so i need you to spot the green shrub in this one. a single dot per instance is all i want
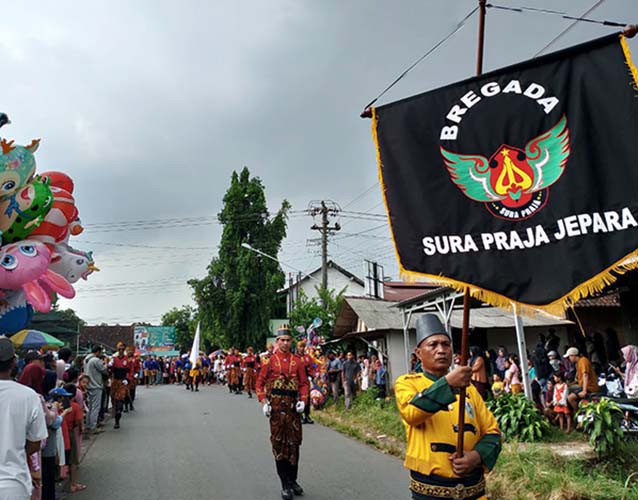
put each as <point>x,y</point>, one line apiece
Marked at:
<point>518,417</point>
<point>601,422</point>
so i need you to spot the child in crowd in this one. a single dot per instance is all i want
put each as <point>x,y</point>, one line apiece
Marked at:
<point>560,401</point>
<point>497,386</point>
<point>71,428</point>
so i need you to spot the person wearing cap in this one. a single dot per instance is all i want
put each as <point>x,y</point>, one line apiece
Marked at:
<point>554,362</point>
<point>585,376</point>
<point>282,388</point>
<point>428,404</point>
<point>119,370</point>
<point>23,427</point>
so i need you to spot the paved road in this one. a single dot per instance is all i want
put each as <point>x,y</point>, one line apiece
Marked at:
<point>214,445</point>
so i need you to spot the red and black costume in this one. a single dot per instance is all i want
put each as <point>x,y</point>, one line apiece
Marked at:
<point>282,381</point>
<point>134,366</point>
<point>119,371</point>
<point>233,369</point>
<point>250,364</point>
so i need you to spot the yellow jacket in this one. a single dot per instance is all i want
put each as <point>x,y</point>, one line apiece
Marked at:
<point>429,410</point>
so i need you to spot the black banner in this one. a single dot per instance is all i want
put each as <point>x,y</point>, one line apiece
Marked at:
<point>522,183</point>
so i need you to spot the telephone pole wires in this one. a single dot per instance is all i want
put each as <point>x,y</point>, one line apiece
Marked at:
<point>325,208</point>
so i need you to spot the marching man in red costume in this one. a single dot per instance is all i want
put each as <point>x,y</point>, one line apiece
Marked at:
<point>119,368</point>
<point>282,388</point>
<point>233,369</point>
<point>249,366</point>
<point>134,367</point>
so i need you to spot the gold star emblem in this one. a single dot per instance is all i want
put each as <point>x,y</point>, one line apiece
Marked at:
<point>505,152</point>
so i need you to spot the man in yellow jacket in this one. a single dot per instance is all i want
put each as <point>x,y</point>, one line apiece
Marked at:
<point>428,403</point>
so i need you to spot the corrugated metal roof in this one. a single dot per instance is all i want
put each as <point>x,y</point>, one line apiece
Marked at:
<point>381,315</point>
<point>493,317</point>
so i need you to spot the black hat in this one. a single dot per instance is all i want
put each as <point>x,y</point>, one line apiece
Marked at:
<point>283,330</point>
<point>428,325</point>
<point>33,355</point>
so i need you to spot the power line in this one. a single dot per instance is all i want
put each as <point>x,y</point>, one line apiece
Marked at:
<point>366,109</point>
<point>564,15</point>
<point>566,30</point>
<point>357,198</point>
<point>137,245</point>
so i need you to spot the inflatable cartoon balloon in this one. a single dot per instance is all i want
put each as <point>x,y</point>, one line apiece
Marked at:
<point>17,166</point>
<point>15,312</point>
<point>24,265</point>
<point>23,211</point>
<point>56,226</point>
<point>72,264</point>
<point>59,180</point>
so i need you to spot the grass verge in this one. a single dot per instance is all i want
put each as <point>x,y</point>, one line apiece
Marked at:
<point>529,471</point>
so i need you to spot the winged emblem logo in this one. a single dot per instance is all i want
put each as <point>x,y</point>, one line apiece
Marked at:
<point>513,183</point>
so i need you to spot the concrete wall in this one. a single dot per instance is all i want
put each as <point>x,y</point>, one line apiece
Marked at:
<point>507,337</point>
<point>396,352</point>
<point>336,281</point>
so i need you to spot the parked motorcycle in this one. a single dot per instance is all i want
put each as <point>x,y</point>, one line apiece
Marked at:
<point>613,390</point>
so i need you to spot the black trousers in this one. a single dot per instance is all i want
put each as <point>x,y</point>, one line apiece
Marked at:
<point>118,404</point>
<point>287,472</point>
<point>48,478</point>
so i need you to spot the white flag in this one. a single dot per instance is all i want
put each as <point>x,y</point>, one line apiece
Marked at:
<point>195,349</point>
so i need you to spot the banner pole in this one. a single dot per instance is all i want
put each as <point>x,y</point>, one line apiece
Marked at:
<point>466,295</point>
<point>464,335</point>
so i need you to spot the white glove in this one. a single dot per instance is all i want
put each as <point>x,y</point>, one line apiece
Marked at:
<point>300,406</point>
<point>125,382</point>
<point>266,409</point>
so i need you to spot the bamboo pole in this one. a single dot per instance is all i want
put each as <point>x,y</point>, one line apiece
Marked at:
<point>466,296</point>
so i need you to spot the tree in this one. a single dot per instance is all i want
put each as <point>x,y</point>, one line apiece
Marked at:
<point>305,310</point>
<point>238,295</point>
<point>185,322</point>
<point>70,319</point>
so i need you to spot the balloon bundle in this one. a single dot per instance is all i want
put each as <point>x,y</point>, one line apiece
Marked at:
<point>37,217</point>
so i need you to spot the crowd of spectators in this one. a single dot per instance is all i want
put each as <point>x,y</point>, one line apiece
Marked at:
<point>558,383</point>
<point>51,402</point>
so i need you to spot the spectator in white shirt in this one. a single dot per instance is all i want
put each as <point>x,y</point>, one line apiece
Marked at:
<point>23,427</point>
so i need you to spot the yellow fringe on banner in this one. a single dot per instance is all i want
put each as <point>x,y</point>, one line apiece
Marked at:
<point>586,289</point>
<point>375,137</point>
<point>591,287</point>
<point>628,61</point>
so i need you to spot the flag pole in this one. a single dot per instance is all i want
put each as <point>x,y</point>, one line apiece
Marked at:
<point>466,295</point>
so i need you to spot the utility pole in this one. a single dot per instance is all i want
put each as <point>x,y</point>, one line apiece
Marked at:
<point>326,208</point>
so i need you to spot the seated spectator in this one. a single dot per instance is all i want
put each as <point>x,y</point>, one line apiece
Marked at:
<point>548,402</point>
<point>553,360</point>
<point>585,377</point>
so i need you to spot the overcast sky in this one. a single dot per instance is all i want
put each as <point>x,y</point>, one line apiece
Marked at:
<point>150,105</point>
